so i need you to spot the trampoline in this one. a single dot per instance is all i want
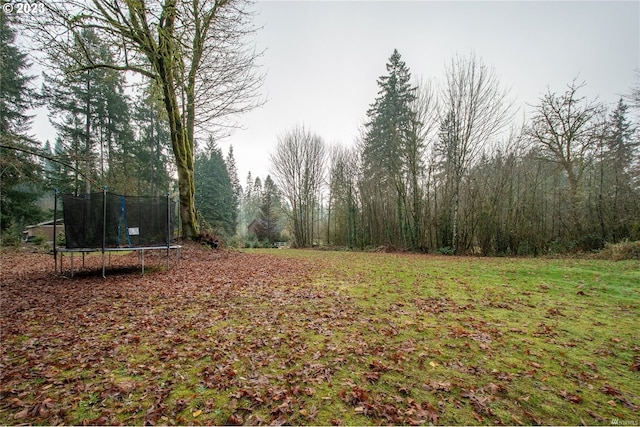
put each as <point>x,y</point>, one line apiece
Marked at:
<point>106,222</point>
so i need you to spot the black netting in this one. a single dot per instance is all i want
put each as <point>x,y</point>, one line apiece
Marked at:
<point>126,221</point>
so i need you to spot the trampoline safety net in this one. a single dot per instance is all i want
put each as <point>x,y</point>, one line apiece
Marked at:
<point>127,221</point>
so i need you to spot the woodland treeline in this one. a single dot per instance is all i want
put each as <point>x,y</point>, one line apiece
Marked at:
<point>439,166</point>
<point>444,167</point>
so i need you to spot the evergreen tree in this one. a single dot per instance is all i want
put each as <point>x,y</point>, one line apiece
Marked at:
<point>392,155</point>
<point>19,166</point>
<point>119,152</point>
<point>152,145</point>
<point>269,215</point>
<point>91,114</point>
<point>214,194</point>
<point>235,185</point>
<point>618,197</point>
<point>58,174</point>
<point>257,188</point>
<point>250,201</point>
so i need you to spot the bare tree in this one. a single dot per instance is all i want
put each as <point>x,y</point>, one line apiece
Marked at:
<point>567,128</point>
<point>425,106</point>
<point>195,50</point>
<point>298,165</point>
<point>633,97</point>
<point>474,109</point>
<point>342,205</point>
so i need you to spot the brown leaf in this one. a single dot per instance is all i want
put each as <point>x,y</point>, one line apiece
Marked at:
<point>100,421</point>
<point>596,416</point>
<point>280,421</point>
<point>569,397</point>
<point>610,390</point>
<point>234,420</point>
<point>494,388</point>
<point>378,366</point>
<point>126,386</point>
<point>22,414</point>
<point>372,377</point>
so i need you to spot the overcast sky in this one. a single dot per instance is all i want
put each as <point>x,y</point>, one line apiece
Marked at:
<point>322,59</point>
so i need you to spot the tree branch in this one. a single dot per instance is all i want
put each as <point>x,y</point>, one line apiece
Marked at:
<point>47,157</point>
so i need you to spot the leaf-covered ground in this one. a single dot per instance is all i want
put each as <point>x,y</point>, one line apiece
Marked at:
<point>307,337</point>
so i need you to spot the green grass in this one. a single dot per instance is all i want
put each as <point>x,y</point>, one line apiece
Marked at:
<point>344,338</point>
<point>539,340</point>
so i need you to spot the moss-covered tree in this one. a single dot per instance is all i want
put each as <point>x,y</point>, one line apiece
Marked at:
<point>195,50</point>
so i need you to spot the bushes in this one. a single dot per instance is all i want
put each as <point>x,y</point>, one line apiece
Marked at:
<point>621,251</point>
<point>11,237</point>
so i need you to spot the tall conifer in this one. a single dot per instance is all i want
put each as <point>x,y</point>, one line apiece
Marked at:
<point>18,165</point>
<point>390,147</point>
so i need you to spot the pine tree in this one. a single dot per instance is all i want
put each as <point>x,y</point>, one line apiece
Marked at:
<point>91,114</point>
<point>152,145</point>
<point>235,185</point>
<point>251,201</point>
<point>620,152</point>
<point>19,167</point>
<point>119,152</point>
<point>392,156</point>
<point>214,195</point>
<point>58,174</point>
<point>269,215</point>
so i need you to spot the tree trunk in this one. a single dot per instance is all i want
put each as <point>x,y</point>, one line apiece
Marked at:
<point>181,140</point>
<point>87,136</point>
<point>574,199</point>
<point>183,153</point>
<point>456,205</point>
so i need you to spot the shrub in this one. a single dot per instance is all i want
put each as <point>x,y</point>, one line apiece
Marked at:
<point>621,251</point>
<point>251,241</point>
<point>38,240</point>
<point>446,250</point>
<point>11,237</point>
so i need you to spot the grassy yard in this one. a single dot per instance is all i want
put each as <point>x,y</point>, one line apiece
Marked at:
<point>310,337</point>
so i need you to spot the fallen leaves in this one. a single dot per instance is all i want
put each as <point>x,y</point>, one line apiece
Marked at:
<point>116,350</point>
<point>391,408</point>
<point>619,397</point>
<point>570,397</point>
<point>259,339</point>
